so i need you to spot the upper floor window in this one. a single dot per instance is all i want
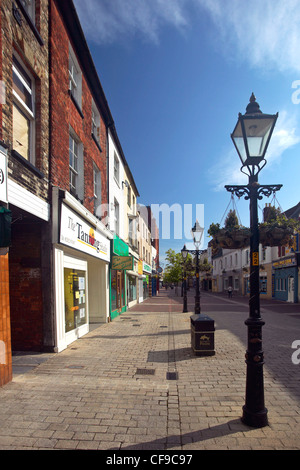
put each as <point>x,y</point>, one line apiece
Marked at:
<point>129,196</point>
<point>23,112</point>
<point>75,77</point>
<point>95,123</point>
<point>29,6</point>
<point>116,169</point>
<point>117,217</point>
<point>97,190</point>
<point>76,166</point>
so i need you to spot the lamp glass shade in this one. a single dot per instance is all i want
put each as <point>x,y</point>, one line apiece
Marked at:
<point>251,137</point>
<point>184,253</point>
<point>197,233</point>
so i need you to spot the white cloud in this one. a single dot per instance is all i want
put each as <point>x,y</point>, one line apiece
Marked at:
<point>265,33</point>
<point>106,21</point>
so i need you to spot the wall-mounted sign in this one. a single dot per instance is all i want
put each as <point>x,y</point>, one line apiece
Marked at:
<point>122,262</point>
<point>147,268</point>
<point>77,233</point>
<point>283,263</point>
<point>3,177</point>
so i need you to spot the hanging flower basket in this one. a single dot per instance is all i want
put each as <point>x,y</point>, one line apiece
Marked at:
<point>231,236</point>
<point>276,235</point>
<point>232,239</point>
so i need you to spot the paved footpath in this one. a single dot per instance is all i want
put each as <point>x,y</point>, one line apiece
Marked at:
<point>135,384</point>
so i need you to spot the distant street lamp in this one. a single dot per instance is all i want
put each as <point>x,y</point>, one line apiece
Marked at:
<point>184,253</point>
<point>251,138</point>
<point>202,327</point>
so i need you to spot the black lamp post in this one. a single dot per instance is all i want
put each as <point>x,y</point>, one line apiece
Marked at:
<point>197,233</point>
<point>184,253</point>
<point>251,138</point>
<point>202,327</point>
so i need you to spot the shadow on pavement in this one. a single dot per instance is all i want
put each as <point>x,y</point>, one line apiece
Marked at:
<point>168,442</point>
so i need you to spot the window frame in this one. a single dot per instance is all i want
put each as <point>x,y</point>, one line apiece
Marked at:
<point>27,80</point>
<point>75,79</point>
<point>116,169</point>
<point>76,190</point>
<point>30,7</point>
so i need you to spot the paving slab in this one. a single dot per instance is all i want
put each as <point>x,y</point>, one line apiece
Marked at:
<point>134,384</point>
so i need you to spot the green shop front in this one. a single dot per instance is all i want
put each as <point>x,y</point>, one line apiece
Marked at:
<point>121,261</point>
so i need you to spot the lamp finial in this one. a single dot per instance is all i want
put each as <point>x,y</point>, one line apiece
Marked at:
<point>253,106</point>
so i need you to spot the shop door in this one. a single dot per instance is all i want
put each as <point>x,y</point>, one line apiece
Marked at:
<point>291,289</point>
<point>119,290</point>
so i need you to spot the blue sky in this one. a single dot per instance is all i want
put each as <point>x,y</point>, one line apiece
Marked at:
<point>176,73</point>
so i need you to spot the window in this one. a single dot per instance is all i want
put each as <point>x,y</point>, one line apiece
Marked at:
<point>23,112</point>
<point>29,6</point>
<point>116,211</point>
<point>129,196</point>
<point>73,155</point>
<point>116,168</point>
<point>76,166</point>
<point>95,124</point>
<point>97,190</point>
<point>75,78</point>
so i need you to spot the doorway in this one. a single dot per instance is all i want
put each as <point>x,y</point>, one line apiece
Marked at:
<point>291,289</point>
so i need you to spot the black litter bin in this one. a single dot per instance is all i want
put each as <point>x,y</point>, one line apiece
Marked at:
<point>203,335</point>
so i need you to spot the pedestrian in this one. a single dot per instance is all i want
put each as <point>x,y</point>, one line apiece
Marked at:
<point>230,291</point>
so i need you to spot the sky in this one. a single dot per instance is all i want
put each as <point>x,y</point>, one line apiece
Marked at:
<point>176,74</point>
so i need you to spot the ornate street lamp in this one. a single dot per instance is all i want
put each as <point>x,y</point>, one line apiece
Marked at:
<point>251,138</point>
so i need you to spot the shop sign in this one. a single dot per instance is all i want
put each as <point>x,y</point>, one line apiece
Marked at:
<point>284,263</point>
<point>3,177</point>
<point>119,247</point>
<point>78,234</point>
<point>121,263</point>
<point>140,267</point>
<point>147,268</point>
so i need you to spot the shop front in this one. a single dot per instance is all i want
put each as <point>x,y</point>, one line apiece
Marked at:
<point>285,279</point>
<point>147,283</point>
<point>81,273</point>
<point>121,262</point>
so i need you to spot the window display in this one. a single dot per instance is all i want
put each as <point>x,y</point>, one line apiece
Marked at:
<point>75,298</point>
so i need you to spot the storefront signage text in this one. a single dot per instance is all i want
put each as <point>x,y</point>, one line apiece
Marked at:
<point>284,263</point>
<point>122,262</point>
<point>75,232</point>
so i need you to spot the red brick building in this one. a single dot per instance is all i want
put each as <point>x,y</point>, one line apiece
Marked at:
<point>79,122</point>
<point>24,164</point>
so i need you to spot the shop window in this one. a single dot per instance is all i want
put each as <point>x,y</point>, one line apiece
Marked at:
<point>75,298</point>
<point>131,288</point>
<point>23,112</point>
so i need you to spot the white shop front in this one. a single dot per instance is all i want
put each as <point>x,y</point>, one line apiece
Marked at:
<point>81,267</point>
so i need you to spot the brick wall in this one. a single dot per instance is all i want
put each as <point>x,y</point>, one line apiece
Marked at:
<point>64,113</point>
<point>26,300</point>
<point>28,40</point>
<point>21,39</point>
